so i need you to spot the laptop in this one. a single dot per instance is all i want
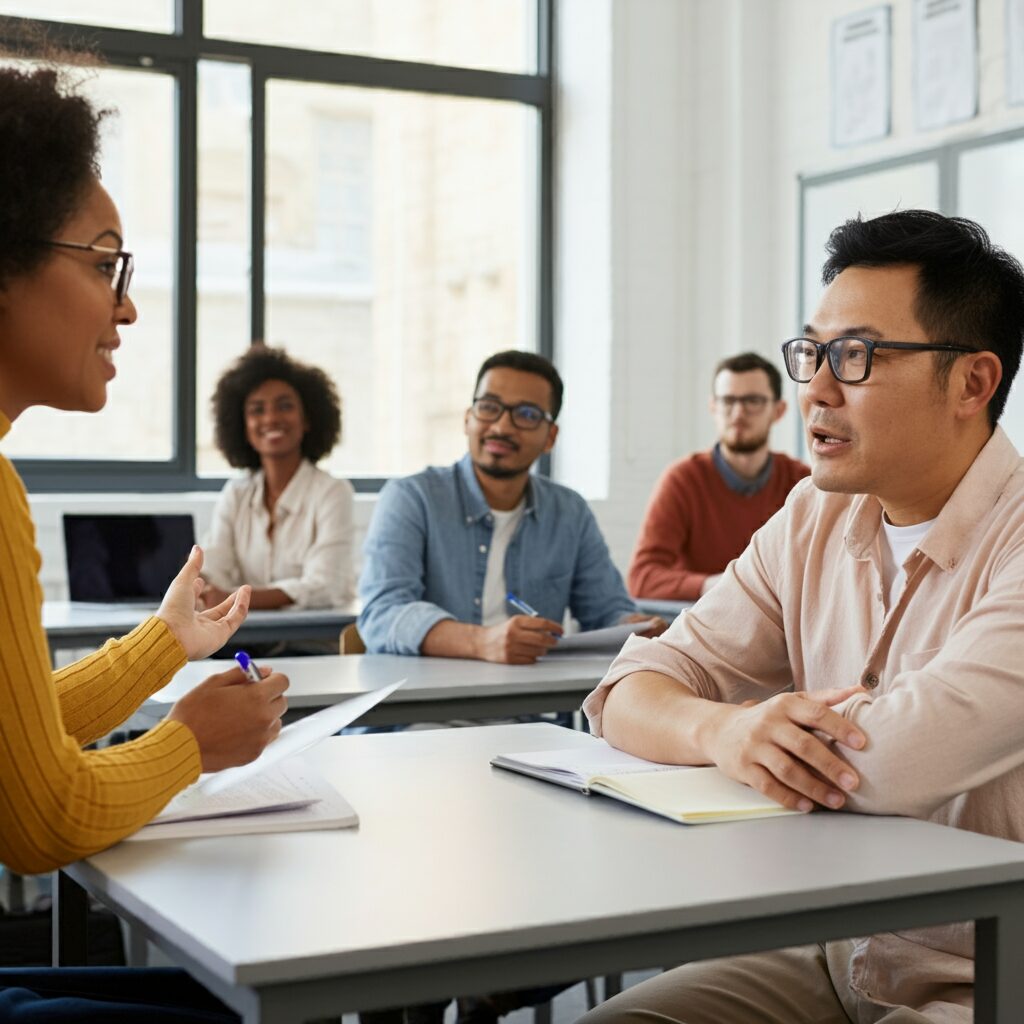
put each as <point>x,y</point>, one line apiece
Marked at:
<point>125,559</point>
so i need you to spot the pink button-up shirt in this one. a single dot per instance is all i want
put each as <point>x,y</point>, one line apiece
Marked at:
<point>804,608</point>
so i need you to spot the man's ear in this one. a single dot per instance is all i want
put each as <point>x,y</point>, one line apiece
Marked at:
<point>552,434</point>
<point>977,382</point>
<point>781,406</point>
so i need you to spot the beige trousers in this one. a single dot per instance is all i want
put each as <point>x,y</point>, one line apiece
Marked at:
<point>786,986</point>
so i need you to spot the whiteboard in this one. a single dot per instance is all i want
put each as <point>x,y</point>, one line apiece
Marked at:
<point>989,191</point>
<point>830,203</point>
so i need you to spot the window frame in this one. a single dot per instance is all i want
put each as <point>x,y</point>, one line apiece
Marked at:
<point>178,54</point>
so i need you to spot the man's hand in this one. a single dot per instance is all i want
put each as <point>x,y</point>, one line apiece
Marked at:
<point>200,633</point>
<point>659,627</point>
<point>772,747</point>
<point>519,641</point>
<point>232,718</point>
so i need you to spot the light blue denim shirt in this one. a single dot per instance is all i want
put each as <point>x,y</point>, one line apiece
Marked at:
<point>425,558</point>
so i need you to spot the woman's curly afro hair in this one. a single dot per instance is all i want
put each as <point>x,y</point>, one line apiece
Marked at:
<point>49,144</point>
<point>320,403</point>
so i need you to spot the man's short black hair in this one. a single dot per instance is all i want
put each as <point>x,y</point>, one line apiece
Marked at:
<point>970,291</point>
<point>320,403</point>
<point>527,362</point>
<point>747,361</point>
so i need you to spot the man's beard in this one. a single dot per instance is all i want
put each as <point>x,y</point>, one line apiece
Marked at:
<point>501,472</point>
<point>748,445</point>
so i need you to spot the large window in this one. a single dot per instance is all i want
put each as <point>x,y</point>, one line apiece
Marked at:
<point>364,182</point>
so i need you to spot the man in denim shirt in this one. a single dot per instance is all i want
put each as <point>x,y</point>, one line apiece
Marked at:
<point>447,545</point>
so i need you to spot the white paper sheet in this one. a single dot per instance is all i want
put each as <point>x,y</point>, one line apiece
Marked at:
<point>299,736</point>
<point>945,62</point>
<point>611,638</point>
<point>861,77</point>
<point>1015,51</point>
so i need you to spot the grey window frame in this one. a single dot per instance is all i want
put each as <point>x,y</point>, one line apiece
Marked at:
<point>178,54</point>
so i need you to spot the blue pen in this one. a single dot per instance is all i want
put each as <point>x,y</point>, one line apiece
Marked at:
<point>248,666</point>
<point>521,605</point>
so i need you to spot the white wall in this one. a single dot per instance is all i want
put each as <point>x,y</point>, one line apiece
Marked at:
<point>683,126</point>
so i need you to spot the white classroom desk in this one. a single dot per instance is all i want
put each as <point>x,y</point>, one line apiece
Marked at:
<point>437,689</point>
<point>71,624</point>
<point>463,879</point>
<point>668,610</point>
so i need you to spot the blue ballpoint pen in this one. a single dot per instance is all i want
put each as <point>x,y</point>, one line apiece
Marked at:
<point>521,605</point>
<point>248,666</point>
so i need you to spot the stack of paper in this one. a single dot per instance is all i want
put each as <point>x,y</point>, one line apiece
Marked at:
<point>277,792</point>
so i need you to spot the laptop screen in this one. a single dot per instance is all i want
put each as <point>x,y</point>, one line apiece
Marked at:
<point>125,557</point>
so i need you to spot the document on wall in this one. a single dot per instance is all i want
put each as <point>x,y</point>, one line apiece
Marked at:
<point>1015,51</point>
<point>597,641</point>
<point>945,62</point>
<point>861,76</point>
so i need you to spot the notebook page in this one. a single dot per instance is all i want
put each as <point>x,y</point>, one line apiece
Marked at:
<point>274,789</point>
<point>693,795</point>
<point>580,764</point>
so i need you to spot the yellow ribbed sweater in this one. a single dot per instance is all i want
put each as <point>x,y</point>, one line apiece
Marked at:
<point>59,803</point>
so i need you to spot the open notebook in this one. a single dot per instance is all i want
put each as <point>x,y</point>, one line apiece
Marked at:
<point>693,796</point>
<point>291,796</point>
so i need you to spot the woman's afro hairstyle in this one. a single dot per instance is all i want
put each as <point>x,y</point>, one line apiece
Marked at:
<point>49,146</point>
<point>320,403</point>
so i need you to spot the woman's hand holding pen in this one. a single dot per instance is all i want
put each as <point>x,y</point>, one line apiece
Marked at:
<point>232,718</point>
<point>520,640</point>
<point>200,633</point>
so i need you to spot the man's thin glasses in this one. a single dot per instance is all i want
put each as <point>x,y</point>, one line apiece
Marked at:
<point>749,403</point>
<point>525,415</point>
<point>124,264</point>
<point>849,359</point>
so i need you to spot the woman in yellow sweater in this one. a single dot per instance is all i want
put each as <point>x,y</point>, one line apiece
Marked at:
<point>63,298</point>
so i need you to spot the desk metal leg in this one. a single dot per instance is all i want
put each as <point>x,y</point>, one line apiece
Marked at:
<point>999,980</point>
<point>138,947</point>
<point>70,915</point>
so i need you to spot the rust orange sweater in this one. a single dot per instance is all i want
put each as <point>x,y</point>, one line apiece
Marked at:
<point>696,525</point>
<point>59,803</point>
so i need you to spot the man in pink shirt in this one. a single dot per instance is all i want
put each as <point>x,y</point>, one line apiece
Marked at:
<point>864,653</point>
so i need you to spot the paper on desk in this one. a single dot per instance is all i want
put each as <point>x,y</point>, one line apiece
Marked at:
<point>298,737</point>
<point>288,797</point>
<point>611,638</point>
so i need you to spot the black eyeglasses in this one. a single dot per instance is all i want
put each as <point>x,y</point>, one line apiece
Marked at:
<point>849,359</point>
<point>121,273</point>
<point>749,403</point>
<point>525,415</point>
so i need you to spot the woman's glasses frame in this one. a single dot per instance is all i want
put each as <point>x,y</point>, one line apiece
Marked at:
<point>125,264</point>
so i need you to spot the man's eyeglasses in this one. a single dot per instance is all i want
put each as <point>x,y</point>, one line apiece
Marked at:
<point>849,359</point>
<point>525,415</point>
<point>749,403</point>
<point>121,271</point>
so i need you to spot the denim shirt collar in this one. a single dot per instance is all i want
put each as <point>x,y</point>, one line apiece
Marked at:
<point>474,504</point>
<point>737,483</point>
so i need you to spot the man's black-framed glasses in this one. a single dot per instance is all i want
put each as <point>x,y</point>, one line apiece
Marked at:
<point>849,359</point>
<point>525,415</point>
<point>121,273</point>
<point>748,403</point>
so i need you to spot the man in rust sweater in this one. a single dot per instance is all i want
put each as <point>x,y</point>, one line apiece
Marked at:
<point>706,507</point>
